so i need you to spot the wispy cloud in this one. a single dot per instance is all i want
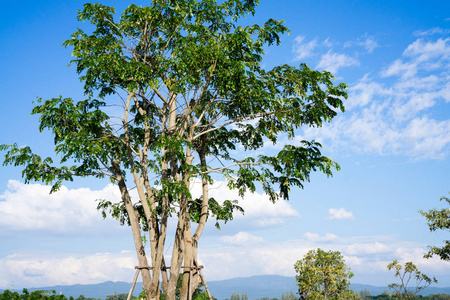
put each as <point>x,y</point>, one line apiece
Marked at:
<point>303,50</point>
<point>332,62</point>
<point>420,56</point>
<point>432,31</point>
<point>394,115</point>
<point>369,43</point>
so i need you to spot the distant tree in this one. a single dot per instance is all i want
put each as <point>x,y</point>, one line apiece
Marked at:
<point>364,294</point>
<point>243,296</point>
<point>439,219</point>
<point>405,275</point>
<point>322,275</point>
<point>288,296</point>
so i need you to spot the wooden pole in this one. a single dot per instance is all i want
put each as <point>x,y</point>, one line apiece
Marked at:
<point>190,276</point>
<point>204,282</point>
<point>199,269</point>
<point>134,283</point>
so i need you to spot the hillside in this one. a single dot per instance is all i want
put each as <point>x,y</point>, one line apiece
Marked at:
<point>256,287</point>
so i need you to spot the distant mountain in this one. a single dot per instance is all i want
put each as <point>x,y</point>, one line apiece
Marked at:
<point>256,287</point>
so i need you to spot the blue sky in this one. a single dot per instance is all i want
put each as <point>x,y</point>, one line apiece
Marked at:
<point>393,144</point>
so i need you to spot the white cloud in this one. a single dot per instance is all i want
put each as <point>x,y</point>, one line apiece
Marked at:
<point>424,51</point>
<point>303,50</point>
<point>259,210</point>
<point>340,214</point>
<point>314,237</point>
<point>366,256</point>
<point>57,269</point>
<point>426,56</point>
<point>332,62</point>
<point>398,118</point>
<point>67,210</point>
<point>367,248</point>
<point>241,238</point>
<point>364,93</point>
<point>242,254</point>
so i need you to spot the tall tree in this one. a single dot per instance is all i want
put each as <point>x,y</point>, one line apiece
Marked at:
<point>323,275</point>
<point>173,90</point>
<point>439,219</point>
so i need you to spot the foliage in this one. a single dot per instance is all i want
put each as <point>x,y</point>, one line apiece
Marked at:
<point>405,275</point>
<point>439,219</point>
<point>35,295</point>
<point>172,91</point>
<point>322,275</point>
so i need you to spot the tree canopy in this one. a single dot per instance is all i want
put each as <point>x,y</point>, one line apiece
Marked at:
<point>176,93</point>
<point>439,219</point>
<point>323,275</point>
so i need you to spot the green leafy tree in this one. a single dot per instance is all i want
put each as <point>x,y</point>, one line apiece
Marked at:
<point>439,220</point>
<point>406,274</point>
<point>322,275</point>
<point>173,89</point>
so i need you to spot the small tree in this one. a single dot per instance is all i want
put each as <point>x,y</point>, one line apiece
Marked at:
<point>322,275</point>
<point>438,219</point>
<point>406,274</point>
